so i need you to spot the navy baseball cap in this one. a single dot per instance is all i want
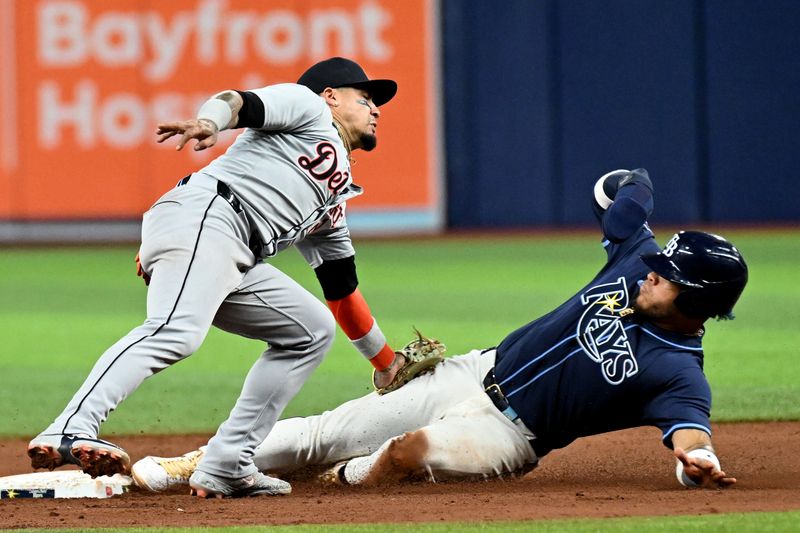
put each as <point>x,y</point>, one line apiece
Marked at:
<point>340,72</point>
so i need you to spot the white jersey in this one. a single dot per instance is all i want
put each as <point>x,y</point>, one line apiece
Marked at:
<point>292,175</point>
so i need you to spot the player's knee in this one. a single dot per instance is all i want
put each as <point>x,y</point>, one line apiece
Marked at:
<point>191,343</point>
<point>182,342</point>
<point>407,453</point>
<point>172,342</point>
<point>321,327</point>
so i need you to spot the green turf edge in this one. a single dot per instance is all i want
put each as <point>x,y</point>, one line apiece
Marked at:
<point>779,521</point>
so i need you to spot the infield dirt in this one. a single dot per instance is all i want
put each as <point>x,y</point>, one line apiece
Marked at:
<point>624,473</point>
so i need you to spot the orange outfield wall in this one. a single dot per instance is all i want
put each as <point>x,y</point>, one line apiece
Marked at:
<point>92,79</point>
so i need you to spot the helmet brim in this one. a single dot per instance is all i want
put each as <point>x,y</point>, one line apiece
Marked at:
<point>667,269</point>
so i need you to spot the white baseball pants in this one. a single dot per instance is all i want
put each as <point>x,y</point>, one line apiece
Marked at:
<point>463,432</point>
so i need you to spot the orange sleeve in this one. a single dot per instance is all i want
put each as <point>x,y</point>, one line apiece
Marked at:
<point>354,317</point>
<point>352,314</point>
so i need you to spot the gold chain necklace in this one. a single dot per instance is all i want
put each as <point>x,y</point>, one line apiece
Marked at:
<point>345,142</point>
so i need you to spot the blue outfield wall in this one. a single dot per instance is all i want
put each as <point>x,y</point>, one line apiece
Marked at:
<point>543,96</point>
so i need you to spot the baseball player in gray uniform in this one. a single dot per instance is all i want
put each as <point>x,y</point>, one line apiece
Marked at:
<point>284,181</point>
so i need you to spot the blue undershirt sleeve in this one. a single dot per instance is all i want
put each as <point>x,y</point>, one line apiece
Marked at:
<point>632,205</point>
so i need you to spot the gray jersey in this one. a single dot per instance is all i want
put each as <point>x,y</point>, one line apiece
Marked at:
<point>292,175</point>
<point>292,178</point>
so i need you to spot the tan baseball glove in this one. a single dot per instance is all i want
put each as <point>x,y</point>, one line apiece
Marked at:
<point>422,355</point>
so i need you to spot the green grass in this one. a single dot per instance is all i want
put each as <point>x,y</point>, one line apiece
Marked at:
<point>59,309</point>
<point>733,522</point>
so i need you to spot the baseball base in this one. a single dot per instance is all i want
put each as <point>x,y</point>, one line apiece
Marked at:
<point>66,484</point>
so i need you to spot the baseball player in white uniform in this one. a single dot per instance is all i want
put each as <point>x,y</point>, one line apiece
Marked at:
<point>625,351</point>
<point>284,181</point>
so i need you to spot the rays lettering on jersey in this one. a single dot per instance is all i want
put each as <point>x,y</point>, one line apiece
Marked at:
<point>601,333</point>
<point>324,167</point>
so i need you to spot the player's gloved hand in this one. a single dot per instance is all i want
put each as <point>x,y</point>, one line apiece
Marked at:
<point>203,130</point>
<point>140,271</point>
<point>383,378</point>
<point>606,188</point>
<point>703,473</point>
<point>416,358</point>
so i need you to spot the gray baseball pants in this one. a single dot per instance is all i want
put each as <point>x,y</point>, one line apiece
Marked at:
<point>194,245</point>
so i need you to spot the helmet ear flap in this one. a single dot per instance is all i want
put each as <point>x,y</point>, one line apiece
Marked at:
<point>713,301</point>
<point>691,302</point>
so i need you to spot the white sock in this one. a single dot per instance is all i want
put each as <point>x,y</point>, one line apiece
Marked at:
<point>357,469</point>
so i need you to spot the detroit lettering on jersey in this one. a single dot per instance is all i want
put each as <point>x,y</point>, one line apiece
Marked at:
<point>590,366</point>
<point>292,175</point>
<point>325,167</point>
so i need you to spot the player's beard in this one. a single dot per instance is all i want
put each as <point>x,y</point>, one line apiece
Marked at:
<point>652,312</point>
<point>368,141</point>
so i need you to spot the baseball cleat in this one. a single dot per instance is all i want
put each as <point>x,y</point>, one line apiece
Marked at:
<point>158,474</point>
<point>95,457</point>
<point>334,475</point>
<point>204,485</point>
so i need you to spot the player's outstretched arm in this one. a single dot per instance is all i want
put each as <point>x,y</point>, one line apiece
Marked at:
<point>623,199</point>
<point>697,464</point>
<point>218,113</point>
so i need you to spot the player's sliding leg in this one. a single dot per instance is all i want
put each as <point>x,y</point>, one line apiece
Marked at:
<point>473,439</point>
<point>356,428</point>
<point>193,268</point>
<point>359,427</point>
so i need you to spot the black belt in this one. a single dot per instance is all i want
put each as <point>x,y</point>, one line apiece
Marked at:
<point>256,243</point>
<point>500,401</point>
<point>222,190</point>
<point>498,398</point>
